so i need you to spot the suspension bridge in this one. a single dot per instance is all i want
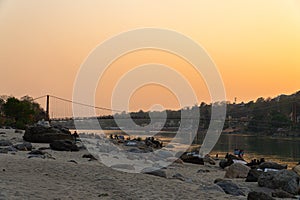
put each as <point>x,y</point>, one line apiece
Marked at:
<point>58,108</point>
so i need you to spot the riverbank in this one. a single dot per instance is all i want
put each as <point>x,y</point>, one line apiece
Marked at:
<point>67,175</point>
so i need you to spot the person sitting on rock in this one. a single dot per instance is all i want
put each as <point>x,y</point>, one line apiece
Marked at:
<point>241,154</point>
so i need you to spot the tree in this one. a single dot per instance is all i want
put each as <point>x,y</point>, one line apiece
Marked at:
<point>20,113</point>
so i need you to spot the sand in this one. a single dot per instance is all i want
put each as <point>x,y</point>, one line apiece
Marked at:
<point>36,178</point>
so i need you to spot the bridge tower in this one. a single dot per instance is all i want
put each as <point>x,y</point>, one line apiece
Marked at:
<point>47,108</point>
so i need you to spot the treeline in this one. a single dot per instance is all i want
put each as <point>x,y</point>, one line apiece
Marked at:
<point>18,113</point>
<point>267,116</point>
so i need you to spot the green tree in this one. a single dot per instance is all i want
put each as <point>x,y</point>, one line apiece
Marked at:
<point>19,113</point>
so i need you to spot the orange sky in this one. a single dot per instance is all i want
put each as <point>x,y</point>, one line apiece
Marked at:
<point>255,44</point>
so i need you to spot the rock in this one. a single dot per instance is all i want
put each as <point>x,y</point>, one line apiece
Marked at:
<point>190,158</point>
<point>203,171</point>
<point>218,180</point>
<point>284,179</point>
<point>36,152</point>
<point>64,145</point>
<point>259,196</point>
<point>282,194</point>
<point>225,163</point>
<point>164,154</point>
<point>18,131</point>
<point>214,188</point>
<point>208,159</point>
<point>272,165</point>
<point>26,146</point>
<point>175,160</point>
<point>3,150</point>
<point>123,166</point>
<point>44,148</point>
<point>155,172</point>
<point>2,133</point>
<point>170,146</point>
<point>253,175</point>
<point>40,154</point>
<point>237,170</point>
<point>230,188</point>
<point>11,148</point>
<point>297,169</point>
<point>73,161</point>
<point>178,176</point>
<point>42,134</point>
<point>90,156</point>
<point>5,143</point>
<point>135,150</point>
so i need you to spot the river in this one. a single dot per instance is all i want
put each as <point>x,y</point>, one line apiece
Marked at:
<point>281,150</point>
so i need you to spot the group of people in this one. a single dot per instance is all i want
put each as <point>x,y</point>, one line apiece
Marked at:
<point>116,137</point>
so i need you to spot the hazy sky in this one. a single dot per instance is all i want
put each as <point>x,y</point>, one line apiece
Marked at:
<point>255,44</point>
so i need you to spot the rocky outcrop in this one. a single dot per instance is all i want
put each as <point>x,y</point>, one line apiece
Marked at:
<point>285,179</point>
<point>42,134</point>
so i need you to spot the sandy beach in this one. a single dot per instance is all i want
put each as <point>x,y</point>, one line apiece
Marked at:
<point>69,176</point>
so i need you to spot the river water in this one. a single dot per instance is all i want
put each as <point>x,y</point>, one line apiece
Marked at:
<point>281,150</point>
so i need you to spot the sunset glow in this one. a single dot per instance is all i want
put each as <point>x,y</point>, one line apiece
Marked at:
<point>255,45</point>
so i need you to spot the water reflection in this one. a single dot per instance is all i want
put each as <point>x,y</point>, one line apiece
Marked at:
<point>285,150</point>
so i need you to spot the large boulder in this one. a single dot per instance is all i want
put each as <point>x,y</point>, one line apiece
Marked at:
<point>64,145</point>
<point>43,134</point>
<point>253,175</point>
<point>284,179</point>
<point>237,170</point>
